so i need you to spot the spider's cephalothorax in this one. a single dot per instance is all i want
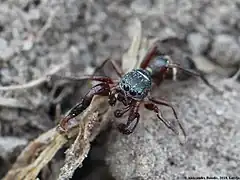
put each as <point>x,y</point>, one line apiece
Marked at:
<point>133,90</point>
<point>136,84</point>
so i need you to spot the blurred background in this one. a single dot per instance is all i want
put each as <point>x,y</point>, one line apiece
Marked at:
<point>72,37</point>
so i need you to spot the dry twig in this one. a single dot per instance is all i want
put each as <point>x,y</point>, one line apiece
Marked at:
<point>35,156</point>
<point>47,25</point>
<point>40,151</point>
<point>13,103</point>
<point>36,82</point>
<point>130,58</point>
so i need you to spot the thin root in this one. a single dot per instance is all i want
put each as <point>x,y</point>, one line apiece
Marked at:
<point>36,82</point>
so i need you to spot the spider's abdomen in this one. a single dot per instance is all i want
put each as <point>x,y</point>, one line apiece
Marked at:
<point>136,83</point>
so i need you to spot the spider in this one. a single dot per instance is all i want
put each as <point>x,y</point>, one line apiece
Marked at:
<point>133,91</point>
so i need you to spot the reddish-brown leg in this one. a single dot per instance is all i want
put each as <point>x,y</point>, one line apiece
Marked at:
<point>118,70</point>
<point>197,74</point>
<point>165,103</point>
<point>149,56</point>
<point>153,107</point>
<point>86,77</point>
<point>128,128</point>
<point>120,112</point>
<point>102,89</point>
<point>114,65</point>
<point>112,99</point>
<point>124,99</point>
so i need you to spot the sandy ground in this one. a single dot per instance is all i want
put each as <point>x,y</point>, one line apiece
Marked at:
<point>73,37</point>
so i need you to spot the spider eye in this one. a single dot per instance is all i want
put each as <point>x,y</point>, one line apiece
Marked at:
<point>126,87</point>
<point>132,92</point>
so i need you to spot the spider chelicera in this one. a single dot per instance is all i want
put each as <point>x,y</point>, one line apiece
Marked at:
<point>133,90</point>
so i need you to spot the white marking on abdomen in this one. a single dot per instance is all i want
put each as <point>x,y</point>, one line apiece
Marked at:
<point>174,74</point>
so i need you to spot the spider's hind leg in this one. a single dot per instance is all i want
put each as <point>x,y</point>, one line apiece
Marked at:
<point>152,106</point>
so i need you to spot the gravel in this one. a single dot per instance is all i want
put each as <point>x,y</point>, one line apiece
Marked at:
<point>212,147</point>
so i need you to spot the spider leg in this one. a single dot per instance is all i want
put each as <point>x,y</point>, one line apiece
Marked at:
<point>102,89</point>
<point>86,77</point>
<point>123,98</point>
<point>128,128</point>
<point>93,77</point>
<point>196,74</point>
<point>153,107</point>
<point>165,103</point>
<point>152,52</point>
<point>111,98</point>
<point>120,112</point>
<point>115,66</point>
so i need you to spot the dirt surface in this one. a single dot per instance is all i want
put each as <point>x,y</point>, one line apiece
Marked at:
<point>72,37</point>
<point>211,149</point>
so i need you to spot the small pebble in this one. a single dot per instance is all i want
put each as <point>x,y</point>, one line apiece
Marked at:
<point>141,6</point>
<point>7,54</point>
<point>3,44</point>
<point>225,50</point>
<point>197,43</point>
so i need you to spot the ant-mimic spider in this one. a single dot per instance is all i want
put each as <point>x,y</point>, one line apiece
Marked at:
<point>133,90</point>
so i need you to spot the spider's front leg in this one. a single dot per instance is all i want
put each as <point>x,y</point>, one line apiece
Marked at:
<point>102,89</point>
<point>128,128</point>
<point>153,107</point>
